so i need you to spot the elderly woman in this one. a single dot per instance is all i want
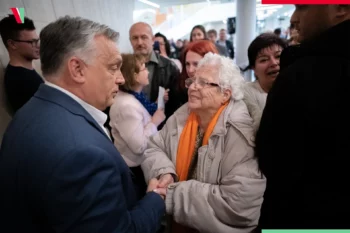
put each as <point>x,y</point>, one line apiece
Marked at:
<point>264,59</point>
<point>192,54</point>
<point>207,147</point>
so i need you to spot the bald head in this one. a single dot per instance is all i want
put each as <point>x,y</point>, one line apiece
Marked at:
<point>141,38</point>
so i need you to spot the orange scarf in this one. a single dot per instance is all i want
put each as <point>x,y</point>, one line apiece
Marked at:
<point>185,152</point>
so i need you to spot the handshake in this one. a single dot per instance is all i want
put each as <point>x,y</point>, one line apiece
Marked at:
<point>160,186</point>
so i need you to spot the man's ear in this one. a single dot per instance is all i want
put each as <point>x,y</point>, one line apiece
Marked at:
<point>77,69</point>
<point>11,44</point>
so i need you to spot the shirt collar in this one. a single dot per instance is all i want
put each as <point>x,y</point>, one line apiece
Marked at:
<point>99,116</point>
<point>153,57</point>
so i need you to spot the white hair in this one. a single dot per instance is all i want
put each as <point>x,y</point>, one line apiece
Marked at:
<point>230,76</point>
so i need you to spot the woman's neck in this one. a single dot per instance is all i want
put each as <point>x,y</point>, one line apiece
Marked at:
<point>204,118</point>
<point>137,88</point>
<point>265,88</point>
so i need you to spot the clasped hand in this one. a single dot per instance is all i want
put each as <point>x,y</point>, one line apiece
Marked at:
<point>160,186</point>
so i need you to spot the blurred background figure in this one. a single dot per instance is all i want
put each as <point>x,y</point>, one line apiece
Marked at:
<point>198,33</point>
<point>179,48</point>
<point>223,41</point>
<point>162,43</point>
<point>212,35</point>
<point>264,59</point>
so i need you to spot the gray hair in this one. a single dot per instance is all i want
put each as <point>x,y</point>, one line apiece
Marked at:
<point>230,76</point>
<point>70,36</point>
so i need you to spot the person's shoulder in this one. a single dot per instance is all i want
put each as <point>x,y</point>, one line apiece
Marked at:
<point>166,62</point>
<point>124,101</point>
<point>14,73</point>
<point>179,117</point>
<point>238,119</point>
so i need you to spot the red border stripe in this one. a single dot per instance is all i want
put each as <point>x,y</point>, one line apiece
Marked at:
<point>16,14</point>
<point>305,1</point>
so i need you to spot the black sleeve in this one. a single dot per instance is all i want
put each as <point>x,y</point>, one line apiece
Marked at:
<point>173,104</point>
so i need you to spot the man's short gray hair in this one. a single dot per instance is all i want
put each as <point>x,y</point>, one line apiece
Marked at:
<point>229,73</point>
<point>70,36</point>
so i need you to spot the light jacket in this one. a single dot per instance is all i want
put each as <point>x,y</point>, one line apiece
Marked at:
<point>131,126</point>
<point>229,191</point>
<point>255,99</point>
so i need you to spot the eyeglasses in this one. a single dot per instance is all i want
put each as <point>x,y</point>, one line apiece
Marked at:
<point>200,83</point>
<point>34,42</point>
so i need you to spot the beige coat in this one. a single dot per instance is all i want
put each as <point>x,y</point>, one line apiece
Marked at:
<point>255,99</point>
<point>229,191</point>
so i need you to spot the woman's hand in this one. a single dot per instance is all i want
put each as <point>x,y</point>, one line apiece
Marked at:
<point>165,180</point>
<point>158,117</point>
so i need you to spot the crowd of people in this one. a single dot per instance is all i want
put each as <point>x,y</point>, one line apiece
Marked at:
<point>94,147</point>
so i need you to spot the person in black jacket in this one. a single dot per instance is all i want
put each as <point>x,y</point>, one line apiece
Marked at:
<point>303,140</point>
<point>162,71</point>
<point>21,80</point>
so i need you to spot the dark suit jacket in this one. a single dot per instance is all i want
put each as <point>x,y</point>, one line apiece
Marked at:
<point>303,143</point>
<point>61,173</point>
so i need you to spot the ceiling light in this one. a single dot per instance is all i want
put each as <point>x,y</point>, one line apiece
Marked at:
<point>149,3</point>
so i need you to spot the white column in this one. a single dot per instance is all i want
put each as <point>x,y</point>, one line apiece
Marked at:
<point>245,32</point>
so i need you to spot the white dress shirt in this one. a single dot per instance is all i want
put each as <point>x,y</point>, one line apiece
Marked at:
<point>99,116</point>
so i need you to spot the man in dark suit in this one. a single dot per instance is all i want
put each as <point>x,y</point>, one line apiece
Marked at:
<point>303,140</point>
<point>226,43</point>
<point>60,172</point>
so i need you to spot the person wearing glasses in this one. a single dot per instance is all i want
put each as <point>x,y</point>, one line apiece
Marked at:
<point>207,149</point>
<point>22,43</point>
<point>191,55</point>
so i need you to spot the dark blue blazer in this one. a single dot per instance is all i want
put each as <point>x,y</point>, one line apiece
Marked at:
<point>59,172</point>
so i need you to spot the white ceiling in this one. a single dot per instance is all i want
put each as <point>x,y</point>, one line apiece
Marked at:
<point>167,3</point>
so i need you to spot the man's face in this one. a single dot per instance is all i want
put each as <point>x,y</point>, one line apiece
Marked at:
<point>27,45</point>
<point>311,20</point>
<point>212,37</point>
<point>103,76</point>
<point>222,35</point>
<point>141,39</point>
<point>179,44</point>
